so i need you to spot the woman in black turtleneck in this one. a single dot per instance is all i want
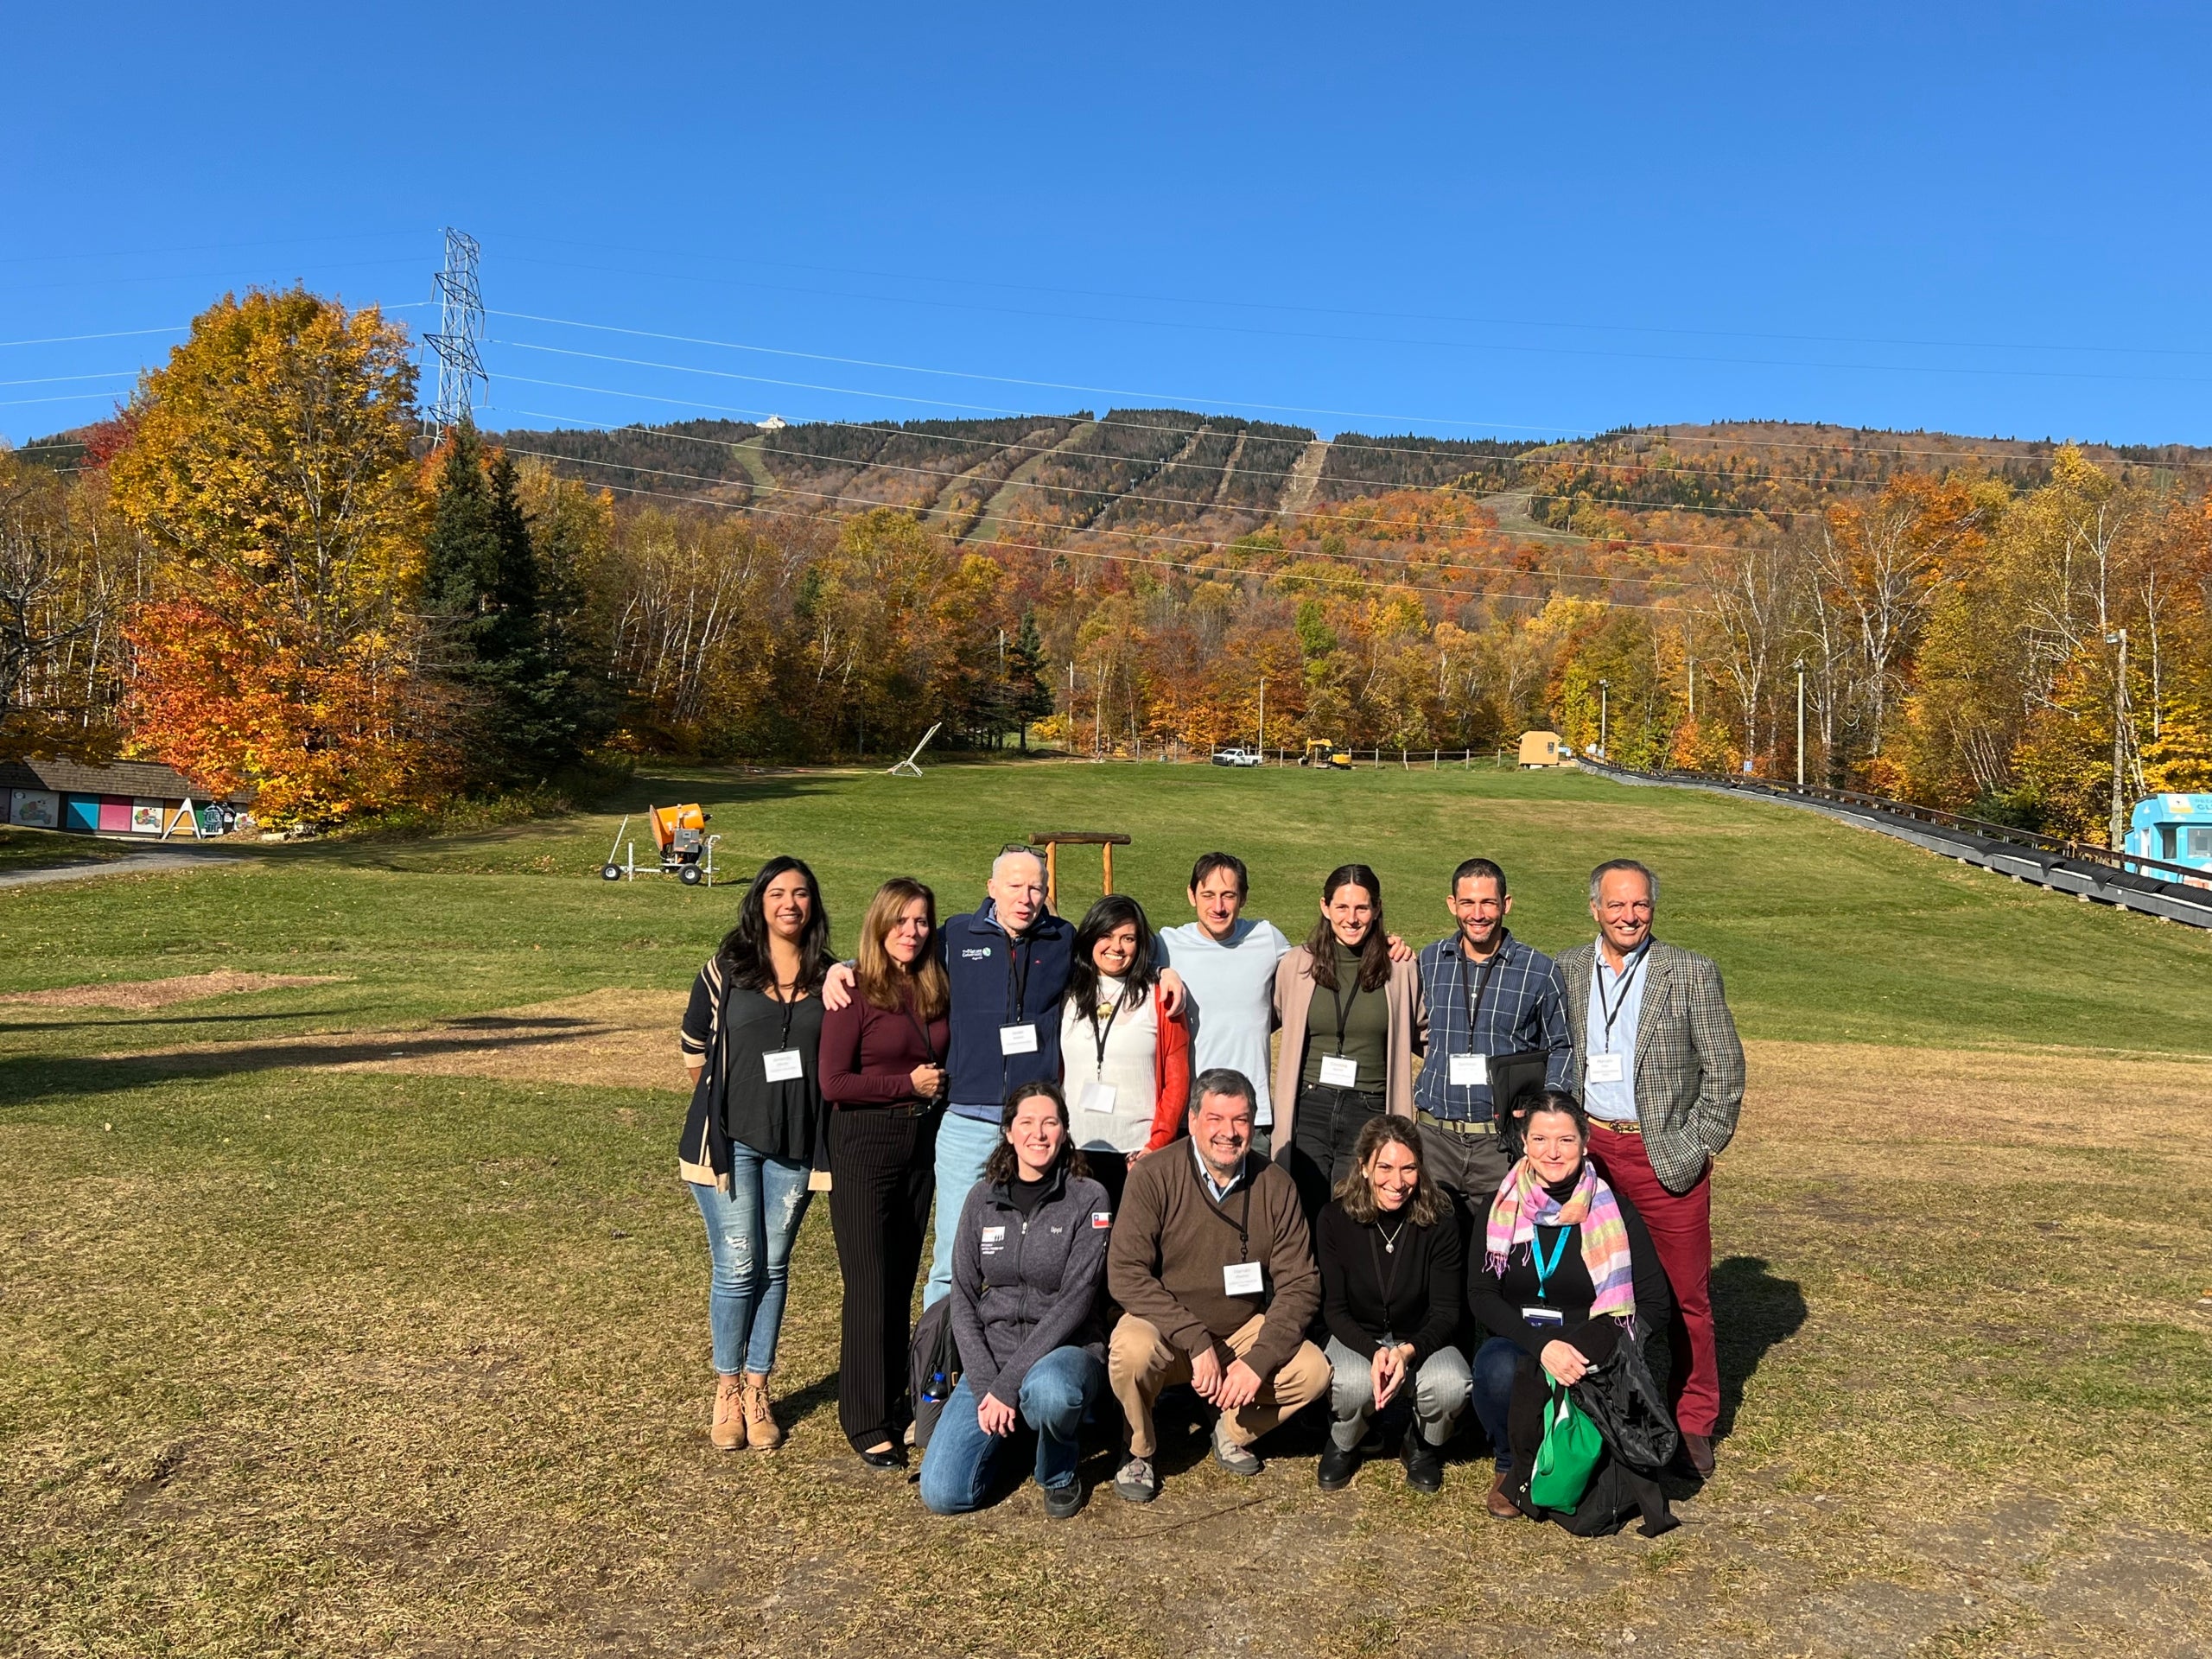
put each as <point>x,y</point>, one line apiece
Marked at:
<point>1534,1291</point>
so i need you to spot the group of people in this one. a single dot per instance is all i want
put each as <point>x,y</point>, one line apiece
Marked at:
<point>1131,1192</point>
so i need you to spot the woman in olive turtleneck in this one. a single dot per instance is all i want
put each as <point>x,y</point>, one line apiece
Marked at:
<point>1352,1020</point>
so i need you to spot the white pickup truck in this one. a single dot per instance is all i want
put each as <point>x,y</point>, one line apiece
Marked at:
<point>1237,757</point>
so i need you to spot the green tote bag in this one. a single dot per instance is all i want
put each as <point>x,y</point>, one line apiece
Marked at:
<point>1570,1452</point>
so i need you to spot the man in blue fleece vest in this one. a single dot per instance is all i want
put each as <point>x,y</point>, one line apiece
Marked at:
<point>1009,966</point>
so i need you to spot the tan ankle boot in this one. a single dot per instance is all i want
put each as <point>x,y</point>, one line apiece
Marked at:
<point>728,1431</point>
<point>761,1433</point>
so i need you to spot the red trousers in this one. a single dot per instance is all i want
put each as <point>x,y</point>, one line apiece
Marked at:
<point>1680,1225</point>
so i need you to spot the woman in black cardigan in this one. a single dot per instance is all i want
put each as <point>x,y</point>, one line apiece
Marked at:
<point>1393,1278</point>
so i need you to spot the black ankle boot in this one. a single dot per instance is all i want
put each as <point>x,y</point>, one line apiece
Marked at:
<point>1336,1468</point>
<point>1424,1463</point>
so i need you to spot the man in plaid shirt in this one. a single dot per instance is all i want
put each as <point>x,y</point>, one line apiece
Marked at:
<point>1488,993</point>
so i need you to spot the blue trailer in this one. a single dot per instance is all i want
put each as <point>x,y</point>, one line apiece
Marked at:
<point>2175,827</point>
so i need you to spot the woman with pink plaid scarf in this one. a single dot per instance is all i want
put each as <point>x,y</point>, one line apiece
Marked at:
<point>1568,1269</point>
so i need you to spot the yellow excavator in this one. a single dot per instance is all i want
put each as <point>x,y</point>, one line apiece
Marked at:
<point>1322,752</point>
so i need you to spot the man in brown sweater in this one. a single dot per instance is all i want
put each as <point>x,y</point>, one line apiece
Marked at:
<point>1212,1264</point>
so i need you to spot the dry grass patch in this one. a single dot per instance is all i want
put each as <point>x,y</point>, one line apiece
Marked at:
<point>137,995</point>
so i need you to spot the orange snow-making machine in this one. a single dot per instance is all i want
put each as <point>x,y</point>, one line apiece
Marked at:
<point>686,850</point>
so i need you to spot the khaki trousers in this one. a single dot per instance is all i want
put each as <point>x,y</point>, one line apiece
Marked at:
<point>1139,1364</point>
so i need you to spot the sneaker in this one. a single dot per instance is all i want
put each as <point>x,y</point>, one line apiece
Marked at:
<point>1136,1481</point>
<point>1061,1502</point>
<point>1338,1465</point>
<point>1424,1463</point>
<point>1237,1459</point>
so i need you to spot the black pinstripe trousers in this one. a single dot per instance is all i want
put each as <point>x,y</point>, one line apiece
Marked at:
<point>882,1173</point>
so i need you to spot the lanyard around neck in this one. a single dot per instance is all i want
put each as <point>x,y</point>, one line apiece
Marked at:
<point>1112,1015</point>
<point>1017,977</point>
<point>1342,999</point>
<point>1628,978</point>
<point>1482,985</point>
<point>1545,1269</point>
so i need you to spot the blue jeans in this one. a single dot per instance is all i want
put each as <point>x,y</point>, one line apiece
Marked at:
<point>750,1231</point>
<point>1495,1361</point>
<point>1059,1389</point>
<point>962,1144</point>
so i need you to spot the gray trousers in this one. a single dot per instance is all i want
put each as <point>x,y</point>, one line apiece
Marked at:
<point>1440,1391</point>
<point>1470,1167</point>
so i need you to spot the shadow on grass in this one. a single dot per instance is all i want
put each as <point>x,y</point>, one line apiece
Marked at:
<point>1753,1312</point>
<point>29,1080</point>
<point>9,1028</point>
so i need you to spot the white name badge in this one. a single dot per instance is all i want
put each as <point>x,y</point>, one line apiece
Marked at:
<point>1470,1069</point>
<point>782,1065</point>
<point>1017,1040</point>
<point>1096,1097</point>
<point>1542,1318</point>
<point>1605,1068</point>
<point>1338,1071</point>
<point>1243,1279</point>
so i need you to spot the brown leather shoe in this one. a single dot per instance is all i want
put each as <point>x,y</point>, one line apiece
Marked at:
<point>728,1431</point>
<point>1698,1449</point>
<point>761,1432</point>
<point>1500,1506</point>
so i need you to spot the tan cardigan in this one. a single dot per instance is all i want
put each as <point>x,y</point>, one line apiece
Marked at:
<point>1408,1036</point>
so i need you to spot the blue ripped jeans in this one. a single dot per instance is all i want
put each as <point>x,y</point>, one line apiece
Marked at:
<point>750,1231</point>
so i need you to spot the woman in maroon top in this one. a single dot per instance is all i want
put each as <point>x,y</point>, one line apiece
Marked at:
<point>883,1061</point>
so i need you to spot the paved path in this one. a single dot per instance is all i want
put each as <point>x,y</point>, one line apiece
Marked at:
<point>133,864</point>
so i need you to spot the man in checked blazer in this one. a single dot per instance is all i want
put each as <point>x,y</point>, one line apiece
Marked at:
<point>1660,1073</point>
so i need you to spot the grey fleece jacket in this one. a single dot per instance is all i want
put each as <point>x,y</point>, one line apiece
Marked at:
<point>1022,1288</point>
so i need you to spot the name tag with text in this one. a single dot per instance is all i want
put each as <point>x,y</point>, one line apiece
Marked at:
<point>1243,1279</point>
<point>1607,1068</point>
<point>1467,1069</point>
<point>1096,1097</point>
<point>782,1065</point>
<point>1339,1073</point>
<point>1017,1040</point>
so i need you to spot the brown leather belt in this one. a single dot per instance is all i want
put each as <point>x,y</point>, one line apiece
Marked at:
<point>1457,1126</point>
<point>1630,1128</point>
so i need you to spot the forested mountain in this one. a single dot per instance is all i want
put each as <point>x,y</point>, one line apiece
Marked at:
<point>1170,469</point>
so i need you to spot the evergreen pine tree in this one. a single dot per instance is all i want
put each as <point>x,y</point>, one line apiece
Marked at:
<point>480,580</point>
<point>1027,695</point>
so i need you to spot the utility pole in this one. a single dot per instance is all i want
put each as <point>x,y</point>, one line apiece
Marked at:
<point>2118,825</point>
<point>1800,722</point>
<point>1263,719</point>
<point>1604,710</point>
<point>459,333</point>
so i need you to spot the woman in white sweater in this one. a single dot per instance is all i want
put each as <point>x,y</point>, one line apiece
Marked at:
<point>1126,1062</point>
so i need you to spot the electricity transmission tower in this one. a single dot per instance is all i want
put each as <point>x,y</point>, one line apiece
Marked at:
<point>459,332</point>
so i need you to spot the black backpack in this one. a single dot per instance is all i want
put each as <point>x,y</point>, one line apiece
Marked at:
<point>933,1367</point>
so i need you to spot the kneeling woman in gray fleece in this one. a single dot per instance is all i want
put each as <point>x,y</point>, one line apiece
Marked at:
<point>1028,1258</point>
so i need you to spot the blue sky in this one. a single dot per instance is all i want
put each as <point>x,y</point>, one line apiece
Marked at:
<point>1455,220</point>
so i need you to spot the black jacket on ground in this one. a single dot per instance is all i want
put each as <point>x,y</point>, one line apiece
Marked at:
<point>1412,1294</point>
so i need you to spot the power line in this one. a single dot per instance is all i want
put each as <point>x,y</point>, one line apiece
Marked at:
<point>1055,385</point>
<point>1406,317</point>
<point>997,445</point>
<point>118,333</point>
<point>1370,340</point>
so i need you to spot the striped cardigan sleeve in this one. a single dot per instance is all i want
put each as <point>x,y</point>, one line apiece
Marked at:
<point>696,1037</point>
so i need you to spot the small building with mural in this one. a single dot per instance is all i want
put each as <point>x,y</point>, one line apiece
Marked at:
<point>124,798</point>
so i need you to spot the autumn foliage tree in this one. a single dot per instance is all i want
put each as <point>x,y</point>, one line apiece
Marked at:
<point>268,465</point>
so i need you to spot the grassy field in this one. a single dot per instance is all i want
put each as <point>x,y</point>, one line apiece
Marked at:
<point>363,1312</point>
